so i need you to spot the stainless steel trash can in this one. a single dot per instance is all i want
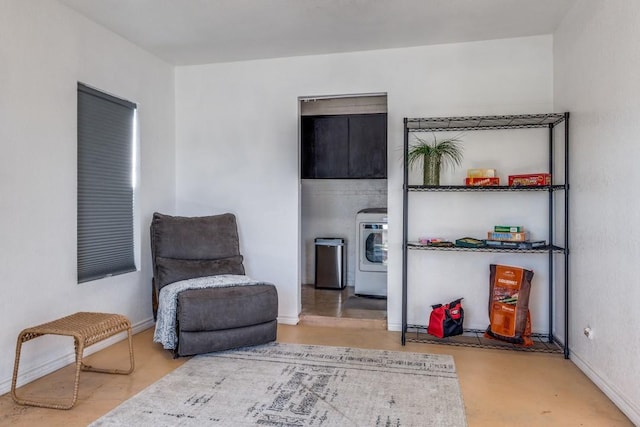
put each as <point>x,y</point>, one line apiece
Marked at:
<point>330,265</point>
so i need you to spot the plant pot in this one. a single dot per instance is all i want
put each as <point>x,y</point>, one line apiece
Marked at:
<point>431,170</point>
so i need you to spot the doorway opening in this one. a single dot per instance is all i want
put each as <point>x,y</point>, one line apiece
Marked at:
<point>343,177</point>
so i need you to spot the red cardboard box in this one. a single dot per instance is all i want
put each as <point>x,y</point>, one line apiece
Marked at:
<point>482,181</point>
<point>530,179</point>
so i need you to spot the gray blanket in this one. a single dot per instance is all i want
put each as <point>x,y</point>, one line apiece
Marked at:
<point>165,332</point>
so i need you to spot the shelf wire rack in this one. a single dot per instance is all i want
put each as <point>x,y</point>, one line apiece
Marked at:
<point>476,338</point>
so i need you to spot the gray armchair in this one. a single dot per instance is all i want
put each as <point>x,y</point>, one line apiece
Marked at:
<point>209,319</point>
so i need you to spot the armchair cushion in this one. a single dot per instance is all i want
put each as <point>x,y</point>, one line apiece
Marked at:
<point>201,237</point>
<point>177,240</point>
<point>234,307</point>
<point>171,270</point>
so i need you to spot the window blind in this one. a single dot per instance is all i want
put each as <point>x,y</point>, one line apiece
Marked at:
<point>105,185</point>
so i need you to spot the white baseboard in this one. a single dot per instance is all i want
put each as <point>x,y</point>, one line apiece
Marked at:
<point>629,408</point>
<point>395,327</point>
<point>288,320</point>
<point>26,375</point>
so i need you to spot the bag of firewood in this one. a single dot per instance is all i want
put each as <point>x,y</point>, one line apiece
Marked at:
<point>509,318</point>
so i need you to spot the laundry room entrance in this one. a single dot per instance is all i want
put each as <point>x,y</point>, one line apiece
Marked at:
<point>343,215</point>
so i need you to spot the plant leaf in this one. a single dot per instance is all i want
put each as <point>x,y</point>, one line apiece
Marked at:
<point>449,149</point>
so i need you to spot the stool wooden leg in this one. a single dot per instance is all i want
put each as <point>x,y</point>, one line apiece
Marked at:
<point>132,362</point>
<point>89,368</point>
<point>43,403</point>
<point>79,346</point>
<point>16,364</point>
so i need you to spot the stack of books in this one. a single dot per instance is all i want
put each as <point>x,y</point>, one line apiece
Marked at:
<point>470,242</point>
<point>432,241</point>
<point>512,236</point>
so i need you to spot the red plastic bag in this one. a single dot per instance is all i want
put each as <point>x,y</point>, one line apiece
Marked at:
<point>446,320</point>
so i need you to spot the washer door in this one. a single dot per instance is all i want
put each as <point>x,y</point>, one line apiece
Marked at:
<point>373,247</point>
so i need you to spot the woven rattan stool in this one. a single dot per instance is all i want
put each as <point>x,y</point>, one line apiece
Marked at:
<point>86,329</point>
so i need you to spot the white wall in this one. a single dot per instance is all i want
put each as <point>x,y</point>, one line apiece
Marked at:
<point>45,49</point>
<point>597,64</point>
<point>328,209</point>
<point>237,140</point>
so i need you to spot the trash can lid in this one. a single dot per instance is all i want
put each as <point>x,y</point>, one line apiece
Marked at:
<point>329,241</point>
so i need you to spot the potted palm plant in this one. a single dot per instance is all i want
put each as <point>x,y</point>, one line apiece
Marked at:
<point>434,154</point>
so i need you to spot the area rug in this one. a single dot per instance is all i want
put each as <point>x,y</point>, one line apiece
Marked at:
<point>300,385</point>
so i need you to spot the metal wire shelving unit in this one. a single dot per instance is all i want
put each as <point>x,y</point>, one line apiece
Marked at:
<point>549,342</point>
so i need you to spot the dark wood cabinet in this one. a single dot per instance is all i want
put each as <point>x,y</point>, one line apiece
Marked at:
<point>368,146</point>
<point>344,146</point>
<point>325,147</point>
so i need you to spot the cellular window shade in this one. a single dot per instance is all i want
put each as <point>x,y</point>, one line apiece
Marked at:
<point>105,189</point>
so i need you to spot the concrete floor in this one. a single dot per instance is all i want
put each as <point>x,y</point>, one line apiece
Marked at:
<point>500,388</point>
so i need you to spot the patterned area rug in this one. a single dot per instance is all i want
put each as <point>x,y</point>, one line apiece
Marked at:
<point>300,385</point>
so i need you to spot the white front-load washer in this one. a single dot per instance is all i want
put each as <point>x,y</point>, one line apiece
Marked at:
<point>371,252</point>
